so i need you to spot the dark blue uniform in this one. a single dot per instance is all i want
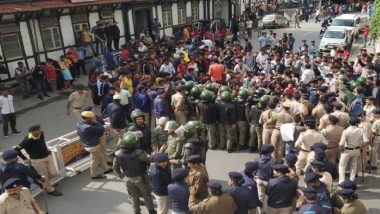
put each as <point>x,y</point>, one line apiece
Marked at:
<point>323,195</point>
<point>17,170</point>
<point>281,191</point>
<point>265,167</point>
<point>243,197</point>
<point>251,184</point>
<point>329,167</point>
<point>313,208</point>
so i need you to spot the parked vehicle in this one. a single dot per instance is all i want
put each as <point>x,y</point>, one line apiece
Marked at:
<point>335,37</point>
<point>352,23</point>
<point>274,21</point>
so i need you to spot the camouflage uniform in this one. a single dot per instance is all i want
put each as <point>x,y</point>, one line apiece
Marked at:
<point>159,137</point>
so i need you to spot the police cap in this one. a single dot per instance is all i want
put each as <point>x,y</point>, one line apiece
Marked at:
<point>34,127</point>
<point>333,119</point>
<point>160,91</point>
<point>251,166</point>
<point>160,157</point>
<point>235,175</point>
<point>317,164</point>
<point>311,176</point>
<point>291,159</point>
<point>345,192</point>
<point>214,186</point>
<point>319,145</point>
<point>12,183</point>
<point>309,190</point>
<point>194,159</point>
<point>266,149</point>
<point>281,168</point>
<point>180,173</point>
<point>319,154</point>
<point>348,185</point>
<point>9,154</point>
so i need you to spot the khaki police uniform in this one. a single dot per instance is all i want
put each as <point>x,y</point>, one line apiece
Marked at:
<point>303,143</point>
<point>197,182</point>
<point>344,118</point>
<point>77,101</point>
<point>363,158</point>
<point>351,141</point>
<point>355,207</point>
<point>23,205</point>
<point>215,204</point>
<point>323,122</point>
<point>178,105</point>
<point>375,142</point>
<point>318,112</point>
<point>276,140</point>
<point>332,133</point>
<point>266,120</point>
<point>369,112</point>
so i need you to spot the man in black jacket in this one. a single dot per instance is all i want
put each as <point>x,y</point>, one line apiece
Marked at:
<point>138,118</point>
<point>160,178</point>
<point>117,117</point>
<point>38,74</point>
<point>39,156</point>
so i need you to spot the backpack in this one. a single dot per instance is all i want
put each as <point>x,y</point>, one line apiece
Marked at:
<point>356,106</point>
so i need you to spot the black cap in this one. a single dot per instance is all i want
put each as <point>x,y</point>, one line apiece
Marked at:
<point>266,149</point>
<point>317,164</point>
<point>309,190</point>
<point>194,159</point>
<point>291,159</point>
<point>281,168</point>
<point>160,157</point>
<point>180,173</point>
<point>214,186</point>
<point>34,127</point>
<point>345,192</point>
<point>12,183</point>
<point>319,154</point>
<point>311,176</point>
<point>9,154</point>
<point>235,175</point>
<point>319,145</point>
<point>348,185</point>
<point>333,119</point>
<point>251,166</point>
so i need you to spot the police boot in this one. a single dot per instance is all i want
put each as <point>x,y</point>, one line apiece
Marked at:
<point>152,212</point>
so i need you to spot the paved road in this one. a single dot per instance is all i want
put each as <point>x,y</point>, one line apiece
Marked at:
<point>84,196</point>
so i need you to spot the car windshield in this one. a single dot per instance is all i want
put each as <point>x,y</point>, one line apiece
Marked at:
<point>343,22</point>
<point>269,17</point>
<point>334,34</point>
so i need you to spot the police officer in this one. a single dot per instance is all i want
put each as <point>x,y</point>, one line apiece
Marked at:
<point>306,140</point>
<point>179,193</point>
<point>90,131</point>
<point>350,145</point>
<point>257,105</point>
<point>227,121</point>
<point>323,195</point>
<point>249,174</point>
<point>365,125</point>
<point>178,105</point>
<point>331,168</point>
<point>17,199</point>
<point>198,178</point>
<point>138,118</point>
<point>332,133</point>
<point>192,102</point>
<point>159,134</point>
<point>35,146</point>
<point>278,202</point>
<point>310,203</point>
<point>242,109</point>
<point>12,169</point>
<point>217,202</point>
<point>290,161</point>
<point>193,144</point>
<point>352,205</point>
<point>336,199</point>
<point>117,117</point>
<point>266,120</point>
<point>175,144</point>
<point>77,100</point>
<point>376,138</point>
<point>280,118</point>
<point>344,117</point>
<point>264,172</point>
<point>243,196</point>
<point>208,114</point>
<point>130,165</point>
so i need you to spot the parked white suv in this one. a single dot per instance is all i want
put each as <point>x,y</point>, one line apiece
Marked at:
<point>335,37</point>
<point>351,22</point>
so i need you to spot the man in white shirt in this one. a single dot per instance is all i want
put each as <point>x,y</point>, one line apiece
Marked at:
<point>307,75</point>
<point>7,111</point>
<point>261,58</point>
<point>241,68</point>
<point>167,67</point>
<point>142,48</point>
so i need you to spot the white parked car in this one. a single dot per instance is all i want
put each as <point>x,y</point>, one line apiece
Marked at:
<point>335,37</point>
<point>274,21</point>
<point>352,23</point>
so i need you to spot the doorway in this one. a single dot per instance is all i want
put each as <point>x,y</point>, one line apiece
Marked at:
<point>142,21</point>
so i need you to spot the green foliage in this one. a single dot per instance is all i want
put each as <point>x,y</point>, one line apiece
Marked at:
<point>375,20</point>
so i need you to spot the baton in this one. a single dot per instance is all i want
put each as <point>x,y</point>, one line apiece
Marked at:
<point>370,160</point>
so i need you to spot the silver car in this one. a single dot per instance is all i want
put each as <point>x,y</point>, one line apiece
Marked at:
<point>274,21</point>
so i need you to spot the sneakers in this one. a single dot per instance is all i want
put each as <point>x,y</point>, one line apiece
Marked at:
<point>99,177</point>
<point>55,193</point>
<point>5,135</point>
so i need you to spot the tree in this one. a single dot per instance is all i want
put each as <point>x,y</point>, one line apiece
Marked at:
<point>375,19</point>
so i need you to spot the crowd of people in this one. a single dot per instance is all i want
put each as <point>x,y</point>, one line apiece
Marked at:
<point>170,100</point>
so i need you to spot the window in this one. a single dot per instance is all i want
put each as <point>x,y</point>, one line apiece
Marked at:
<point>79,20</point>
<point>167,19</point>
<point>11,46</point>
<point>10,41</point>
<point>52,39</point>
<point>181,16</point>
<point>50,33</point>
<point>195,13</point>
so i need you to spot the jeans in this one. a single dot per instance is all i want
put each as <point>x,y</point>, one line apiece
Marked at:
<point>11,119</point>
<point>40,88</point>
<point>81,65</point>
<point>289,149</point>
<point>24,85</point>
